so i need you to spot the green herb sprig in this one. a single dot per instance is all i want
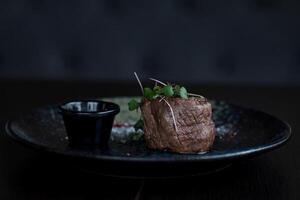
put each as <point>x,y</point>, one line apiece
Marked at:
<point>163,91</point>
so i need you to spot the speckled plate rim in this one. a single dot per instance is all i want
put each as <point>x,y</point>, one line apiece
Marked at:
<point>230,155</point>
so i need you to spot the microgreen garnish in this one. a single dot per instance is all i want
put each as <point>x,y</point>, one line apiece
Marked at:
<point>157,89</point>
<point>149,93</point>
<point>133,105</point>
<point>139,125</point>
<point>183,93</point>
<point>168,91</point>
<point>161,92</point>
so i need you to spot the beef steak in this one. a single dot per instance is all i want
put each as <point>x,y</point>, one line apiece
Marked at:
<point>193,116</point>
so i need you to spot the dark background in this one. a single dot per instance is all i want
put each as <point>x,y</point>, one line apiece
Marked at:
<point>199,41</point>
<point>245,52</point>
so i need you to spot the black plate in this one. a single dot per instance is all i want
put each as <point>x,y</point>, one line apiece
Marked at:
<point>240,133</point>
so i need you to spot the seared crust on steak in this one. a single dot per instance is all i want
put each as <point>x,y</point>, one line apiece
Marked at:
<point>193,116</point>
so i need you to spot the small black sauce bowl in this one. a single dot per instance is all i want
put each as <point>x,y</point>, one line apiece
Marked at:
<point>89,123</point>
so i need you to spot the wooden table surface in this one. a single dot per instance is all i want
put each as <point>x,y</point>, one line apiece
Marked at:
<point>27,174</point>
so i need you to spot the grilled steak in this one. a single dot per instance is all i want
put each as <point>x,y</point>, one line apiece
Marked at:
<point>195,128</point>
